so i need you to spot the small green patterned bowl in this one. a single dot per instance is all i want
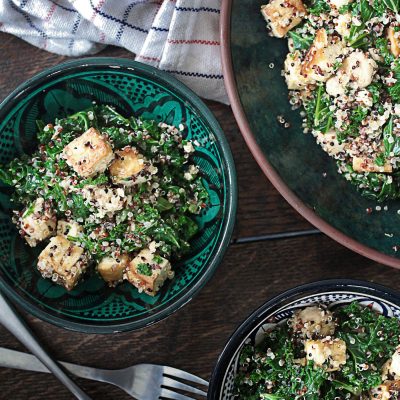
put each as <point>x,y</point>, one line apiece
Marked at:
<point>134,89</point>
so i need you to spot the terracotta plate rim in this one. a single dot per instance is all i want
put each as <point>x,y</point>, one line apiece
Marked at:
<point>269,171</point>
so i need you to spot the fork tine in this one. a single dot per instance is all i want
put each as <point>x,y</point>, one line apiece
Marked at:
<point>178,373</point>
<point>169,394</point>
<point>182,386</point>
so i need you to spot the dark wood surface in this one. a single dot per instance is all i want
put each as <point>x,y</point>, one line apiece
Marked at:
<point>251,272</point>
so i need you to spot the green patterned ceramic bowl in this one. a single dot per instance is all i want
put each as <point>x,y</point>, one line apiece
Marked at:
<point>133,88</point>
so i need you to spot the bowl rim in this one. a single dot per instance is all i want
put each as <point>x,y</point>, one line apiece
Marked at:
<point>230,205</point>
<point>258,316</point>
<point>267,168</point>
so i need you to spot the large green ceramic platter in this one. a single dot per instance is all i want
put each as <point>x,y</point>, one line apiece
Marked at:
<point>294,163</point>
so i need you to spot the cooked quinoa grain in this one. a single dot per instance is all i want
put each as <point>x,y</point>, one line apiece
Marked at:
<point>343,69</point>
<point>102,189</point>
<point>351,352</point>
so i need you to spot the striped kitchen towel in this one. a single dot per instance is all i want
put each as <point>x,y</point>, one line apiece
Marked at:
<point>178,36</point>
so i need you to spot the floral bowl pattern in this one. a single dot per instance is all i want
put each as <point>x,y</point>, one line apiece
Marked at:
<point>134,89</point>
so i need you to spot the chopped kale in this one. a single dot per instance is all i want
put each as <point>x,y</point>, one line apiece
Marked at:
<point>154,205</point>
<point>271,370</point>
<point>144,269</point>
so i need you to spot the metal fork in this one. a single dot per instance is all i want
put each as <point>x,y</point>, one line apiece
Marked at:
<point>141,381</point>
<point>12,321</point>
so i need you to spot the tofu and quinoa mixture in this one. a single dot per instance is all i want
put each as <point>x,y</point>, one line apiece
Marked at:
<point>109,194</point>
<point>343,68</point>
<point>351,353</point>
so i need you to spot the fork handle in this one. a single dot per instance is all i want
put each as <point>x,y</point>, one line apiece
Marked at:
<point>14,323</point>
<point>28,362</point>
<point>19,360</point>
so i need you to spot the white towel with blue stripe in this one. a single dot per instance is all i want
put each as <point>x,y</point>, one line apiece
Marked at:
<point>178,36</point>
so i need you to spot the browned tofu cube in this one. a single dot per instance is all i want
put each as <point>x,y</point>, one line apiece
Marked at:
<point>321,57</point>
<point>127,163</point>
<point>89,154</point>
<point>292,67</point>
<point>394,367</point>
<point>326,353</point>
<point>112,269</point>
<point>394,41</point>
<point>386,391</point>
<point>283,15</point>
<point>38,222</point>
<point>367,165</point>
<point>62,261</point>
<point>148,272</point>
<point>313,322</point>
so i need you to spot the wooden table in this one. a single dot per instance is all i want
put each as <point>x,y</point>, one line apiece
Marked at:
<point>272,251</point>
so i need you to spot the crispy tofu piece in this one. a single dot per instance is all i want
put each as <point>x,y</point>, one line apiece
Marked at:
<point>127,163</point>
<point>336,85</point>
<point>313,322</point>
<point>386,391</point>
<point>329,143</point>
<point>321,56</point>
<point>69,228</point>
<point>360,68</point>
<point>89,154</point>
<point>292,67</point>
<point>38,222</point>
<point>385,370</point>
<point>394,41</point>
<point>327,353</point>
<point>148,272</point>
<point>283,15</point>
<point>62,261</point>
<point>357,70</point>
<point>361,164</point>
<point>394,366</point>
<point>380,392</point>
<point>112,269</point>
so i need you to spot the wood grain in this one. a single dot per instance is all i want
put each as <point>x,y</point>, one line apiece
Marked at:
<point>250,273</point>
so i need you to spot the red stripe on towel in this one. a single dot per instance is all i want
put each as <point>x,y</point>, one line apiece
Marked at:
<point>51,12</point>
<point>96,10</point>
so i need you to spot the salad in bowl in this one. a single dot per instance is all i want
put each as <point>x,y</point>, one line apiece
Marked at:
<point>109,194</point>
<point>342,69</point>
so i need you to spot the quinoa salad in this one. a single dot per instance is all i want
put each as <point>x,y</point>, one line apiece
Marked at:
<point>110,195</point>
<point>343,69</point>
<point>350,353</point>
